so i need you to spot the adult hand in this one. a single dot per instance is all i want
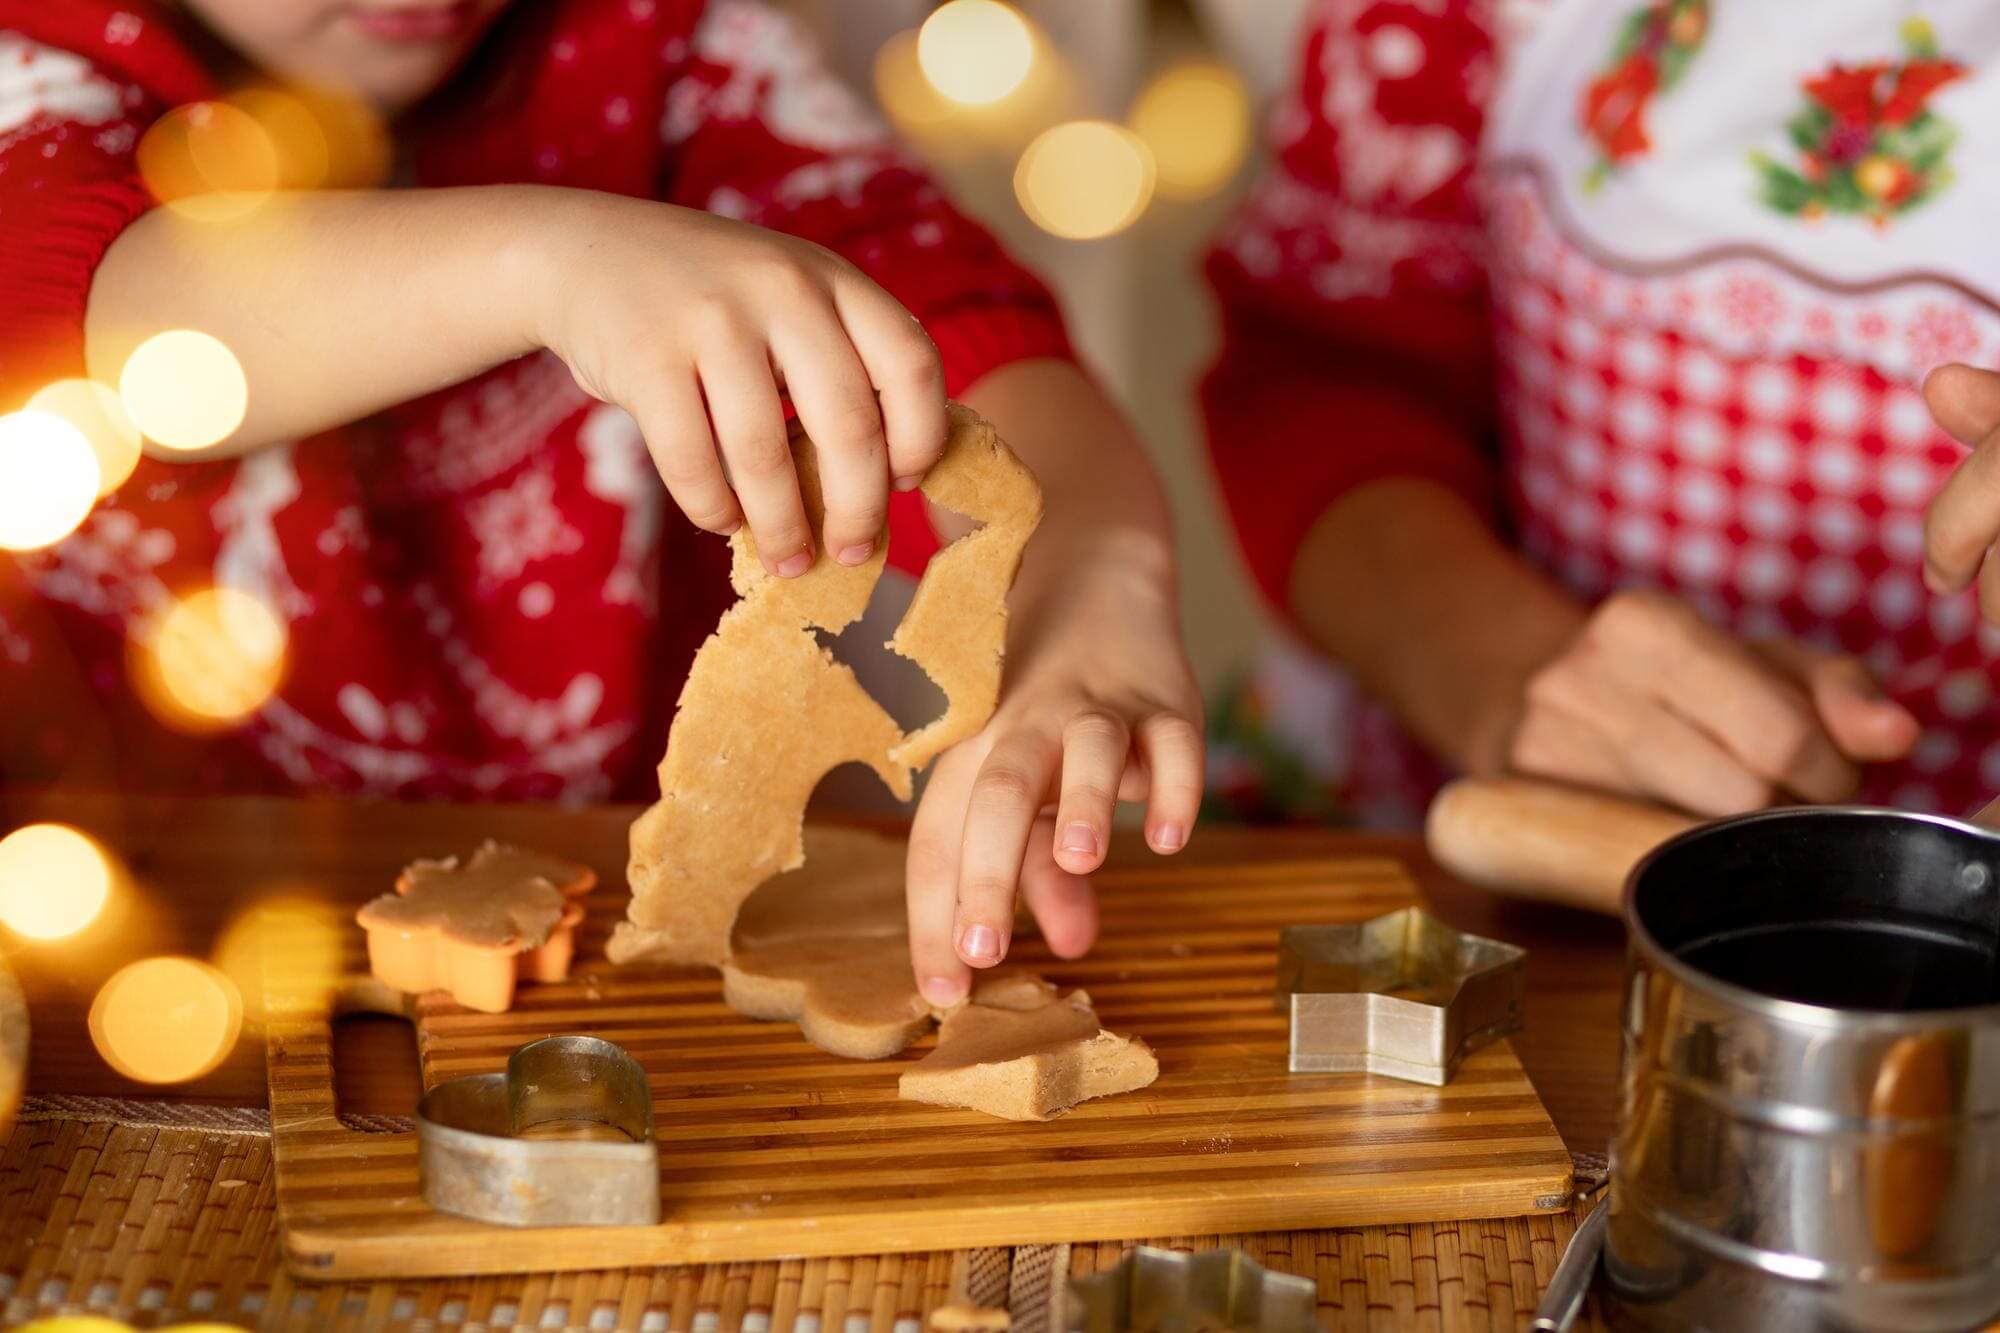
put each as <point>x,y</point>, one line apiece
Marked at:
<point>1650,699</point>
<point>1963,520</point>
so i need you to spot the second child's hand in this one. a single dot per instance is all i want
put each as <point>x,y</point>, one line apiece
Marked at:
<point>338,305</point>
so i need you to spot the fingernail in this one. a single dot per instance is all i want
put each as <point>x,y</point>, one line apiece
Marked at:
<point>856,554</point>
<point>1168,838</point>
<point>909,483</point>
<point>1080,837</point>
<point>941,991</point>
<point>979,944</point>
<point>795,564</point>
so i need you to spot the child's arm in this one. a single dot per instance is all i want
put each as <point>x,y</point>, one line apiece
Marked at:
<point>338,305</point>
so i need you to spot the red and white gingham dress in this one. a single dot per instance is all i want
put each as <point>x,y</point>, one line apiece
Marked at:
<point>1655,283</point>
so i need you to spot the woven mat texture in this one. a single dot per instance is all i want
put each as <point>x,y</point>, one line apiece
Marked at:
<point>157,1214</point>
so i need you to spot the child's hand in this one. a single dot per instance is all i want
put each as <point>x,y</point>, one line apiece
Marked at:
<point>1100,704</point>
<point>693,323</point>
<point>1963,521</point>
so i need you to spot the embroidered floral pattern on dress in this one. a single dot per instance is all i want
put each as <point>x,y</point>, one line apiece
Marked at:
<point>1746,304</point>
<point>1868,143</point>
<point>1653,50</point>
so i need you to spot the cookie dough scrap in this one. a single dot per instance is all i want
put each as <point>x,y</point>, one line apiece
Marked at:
<point>1027,1064</point>
<point>826,946</point>
<point>767,711</point>
<point>477,929</point>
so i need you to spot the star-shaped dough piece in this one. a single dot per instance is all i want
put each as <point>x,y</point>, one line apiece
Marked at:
<point>478,928</point>
<point>1027,1064</point>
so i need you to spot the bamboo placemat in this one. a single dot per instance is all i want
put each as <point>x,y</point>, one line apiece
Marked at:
<point>157,1213</point>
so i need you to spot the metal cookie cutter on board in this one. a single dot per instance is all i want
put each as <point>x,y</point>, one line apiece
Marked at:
<point>1403,995</point>
<point>1215,1291</point>
<point>563,1138</point>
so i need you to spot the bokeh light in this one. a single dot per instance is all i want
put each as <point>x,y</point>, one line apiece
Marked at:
<point>284,954</point>
<point>1085,179</point>
<point>1195,119</point>
<point>209,659</point>
<point>903,90</point>
<point>209,161</point>
<point>76,1323</point>
<point>48,479</point>
<point>302,157</point>
<point>54,881</point>
<point>975,52</point>
<point>184,389</point>
<point>97,411</point>
<point>166,1020</point>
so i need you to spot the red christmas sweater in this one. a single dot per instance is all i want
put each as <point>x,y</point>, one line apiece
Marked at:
<point>1651,283</point>
<point>486,591</point>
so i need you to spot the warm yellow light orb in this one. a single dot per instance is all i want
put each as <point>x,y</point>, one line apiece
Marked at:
<point>210,659</point>
<point>1195,119</point>
<point>209,161</point>
<point>53,881</point>
<point>96,410</point>
<point>48,479</point>
<point>166,1020</point>
<point>75,1323</point>
<point>301,156</point>
<point>284,953</point>
<point>975,51</point>
<point>184,389</point>
<point>904,91</point>
<point>1085,179</point>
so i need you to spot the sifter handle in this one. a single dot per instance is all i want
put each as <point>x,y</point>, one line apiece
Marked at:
<point>1541,840</point>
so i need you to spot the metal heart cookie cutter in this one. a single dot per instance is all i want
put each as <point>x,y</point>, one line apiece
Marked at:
<point>563,1138</point>
<point>1403,995</point>
<point>1165,1291</point>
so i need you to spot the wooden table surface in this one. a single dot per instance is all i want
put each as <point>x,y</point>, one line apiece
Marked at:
<point>196,864</point>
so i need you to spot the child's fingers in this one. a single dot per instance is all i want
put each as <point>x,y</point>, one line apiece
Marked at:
<point>1095,746</point>
<point>902,363</point>
<point>675,425</point>
<point>931,868</point>
<point>1064,904</point>
<point>750,429</point>
<point>1172,746</point>
<point>1005,799</point>
<point>837,407</point>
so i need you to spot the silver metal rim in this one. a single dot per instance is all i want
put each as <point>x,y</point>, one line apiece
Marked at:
<point>1794,1011</point>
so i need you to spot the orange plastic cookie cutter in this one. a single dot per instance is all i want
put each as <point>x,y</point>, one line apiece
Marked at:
<point>478,929</point>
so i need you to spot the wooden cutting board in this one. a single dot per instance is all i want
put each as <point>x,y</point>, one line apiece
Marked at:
<point>771,1149</point>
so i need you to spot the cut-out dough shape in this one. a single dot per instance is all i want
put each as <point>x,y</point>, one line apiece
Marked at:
<point>1027,1064</point>
<point>476,929</point>
<point>826,946</point>
<point>767,711</point>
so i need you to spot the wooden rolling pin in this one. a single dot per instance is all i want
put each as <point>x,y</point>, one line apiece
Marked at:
<point>1540,840</point>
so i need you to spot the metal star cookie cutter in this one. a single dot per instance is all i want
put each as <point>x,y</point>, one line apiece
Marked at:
<point>563,1138</point>
<point>1403,995</point>
<point>1215,1291</point>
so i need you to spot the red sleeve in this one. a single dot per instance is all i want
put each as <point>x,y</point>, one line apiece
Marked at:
<point>758,129</point>
<point>1355,336</point>
<point>68,187</point>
